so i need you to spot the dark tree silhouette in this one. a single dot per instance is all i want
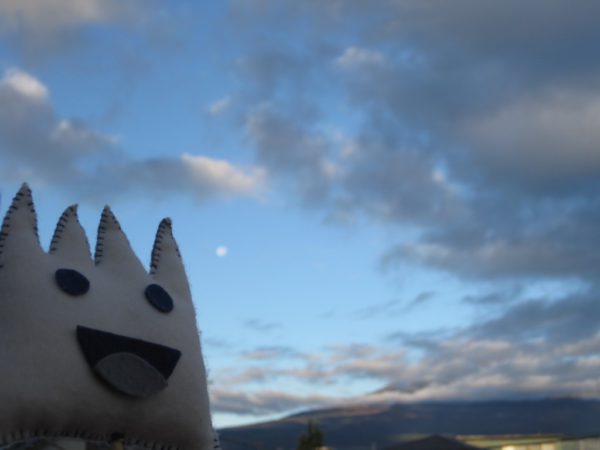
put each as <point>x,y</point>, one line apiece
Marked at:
<point>312,438</point>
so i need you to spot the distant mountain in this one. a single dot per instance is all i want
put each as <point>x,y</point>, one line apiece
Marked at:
<point>384,425</point>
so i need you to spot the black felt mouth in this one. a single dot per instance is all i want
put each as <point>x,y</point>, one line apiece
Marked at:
<point>131,366</point>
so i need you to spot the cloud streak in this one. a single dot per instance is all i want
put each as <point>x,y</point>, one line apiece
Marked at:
<point>265,402</point>
<point>39,145</point>
<point>53,26</point>
<point>481,142</point>
<point>534,349</point>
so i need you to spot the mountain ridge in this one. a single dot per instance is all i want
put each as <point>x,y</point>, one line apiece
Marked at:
<point>382,425</point>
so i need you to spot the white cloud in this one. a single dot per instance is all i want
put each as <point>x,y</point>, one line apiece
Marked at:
<point>264,402</point>
<point>359,57</point>
<point>53,15</point>
<point>223,176</point>
<point>221,251</point>
<point>510,356</point>
<point>39,29</point>
<point>76,136</point>
<point>35,140</point>
<point>220,106</point>
<point>39,144</point>
<point>24,84</point>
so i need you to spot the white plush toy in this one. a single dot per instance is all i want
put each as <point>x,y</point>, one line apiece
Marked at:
<point>93,349</point>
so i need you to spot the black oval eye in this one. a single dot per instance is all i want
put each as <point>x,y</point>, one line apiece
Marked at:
<point>71,281</point>
<point>159,298</point>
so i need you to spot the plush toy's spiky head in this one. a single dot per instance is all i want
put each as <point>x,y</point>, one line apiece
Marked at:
<point>89,347</point>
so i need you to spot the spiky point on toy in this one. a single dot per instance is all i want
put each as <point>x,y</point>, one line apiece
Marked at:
<point>91,347</point>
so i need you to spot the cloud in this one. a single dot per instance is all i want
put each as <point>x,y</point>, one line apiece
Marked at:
<point>354,57</point>
<point>305,155</point>
<point>247,376</point>
<point>221,175</point>
<point>261,325</point>
<point>467,132</point>
<point>23,84</point>
<point>399,185</point>
<point>419,300</point>
<point>498,297</point>
<point>220,106</point>
<point>38,145</point>
<point>49,26</point>
<point>571,318</point>
<point>217,343</point>
<point>536,347</point>
<point>393,307</point>
<point>544,143</point>
<point>540,245</point>
<point>372,180</point>
<point>479,142</point>
<point>270,353</point>
<point>264,402</point>
<point>34,141</point>
<point>56,14</point>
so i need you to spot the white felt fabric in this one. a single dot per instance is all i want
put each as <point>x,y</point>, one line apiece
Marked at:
<point>46,387</point>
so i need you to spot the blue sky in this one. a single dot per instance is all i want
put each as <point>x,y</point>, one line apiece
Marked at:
<point>404,194</point>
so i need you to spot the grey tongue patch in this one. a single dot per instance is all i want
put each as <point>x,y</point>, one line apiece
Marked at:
<point>130,374</point>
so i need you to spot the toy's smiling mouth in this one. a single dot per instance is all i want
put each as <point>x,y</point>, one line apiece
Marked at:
<point>130,366</point>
